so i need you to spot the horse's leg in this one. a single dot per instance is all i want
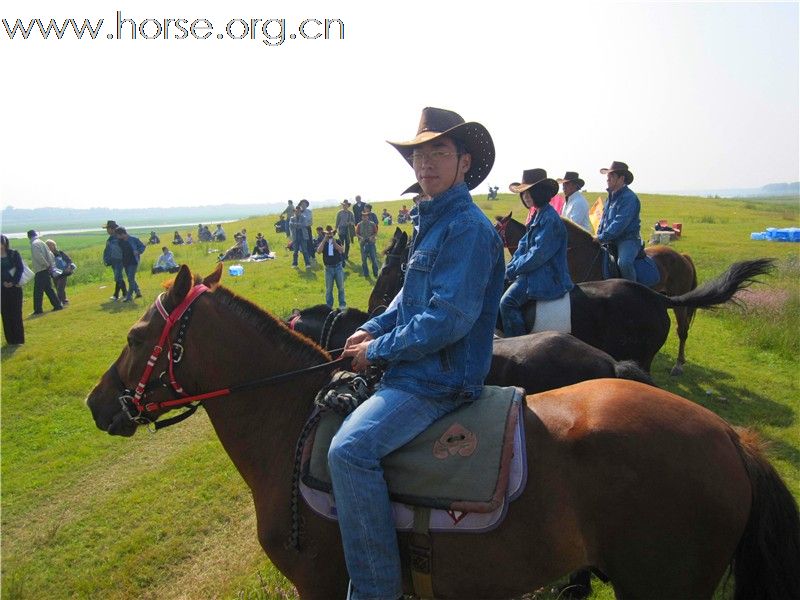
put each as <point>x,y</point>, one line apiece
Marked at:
<point>682,327</point>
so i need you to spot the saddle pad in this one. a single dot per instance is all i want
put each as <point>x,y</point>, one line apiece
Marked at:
<point>461,462</point>
<point>444,520</point>
<point>554,315</point>
<point>646,270</point>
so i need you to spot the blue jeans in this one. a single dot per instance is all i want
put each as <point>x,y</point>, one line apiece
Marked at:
<point>511,309</point>
<point>334,274</point>
<point>300,246</point>
<point>626,255</point>
<point>368,252</point>
<point>383,423</point>
<point>133,287</point>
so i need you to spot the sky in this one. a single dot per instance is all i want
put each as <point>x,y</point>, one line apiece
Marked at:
<point>693,96</point>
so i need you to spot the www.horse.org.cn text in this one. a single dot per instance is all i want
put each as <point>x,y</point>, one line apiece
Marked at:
<point>271,32</point>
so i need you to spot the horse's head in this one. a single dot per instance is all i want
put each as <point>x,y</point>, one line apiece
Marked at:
<point>510,230</point>
<point>391,276</point>
<point>132,390</point>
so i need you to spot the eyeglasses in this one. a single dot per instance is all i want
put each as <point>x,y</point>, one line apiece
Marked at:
<point>434,156</point>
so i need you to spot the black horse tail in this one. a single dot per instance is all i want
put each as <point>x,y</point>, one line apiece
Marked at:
<point>739,276</point>
<point>690,312</point>
<point>630,369</point>
<point>766,564</point>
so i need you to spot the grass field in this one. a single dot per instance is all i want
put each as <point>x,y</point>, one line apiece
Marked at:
<point>87,515</point>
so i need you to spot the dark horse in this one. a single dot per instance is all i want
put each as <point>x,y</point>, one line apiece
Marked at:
<point>622,318</point>
<point>391,273</point>
<point>536,362</point>
<point>653,490</point>
<point>677,274</point>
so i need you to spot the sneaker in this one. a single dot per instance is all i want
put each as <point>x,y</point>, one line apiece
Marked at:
<point>58,308</point>
<point>37,313</point>
<point>127,299</point>
<point>138,294</point>
<point>114,299</point>
<point>65,302</point>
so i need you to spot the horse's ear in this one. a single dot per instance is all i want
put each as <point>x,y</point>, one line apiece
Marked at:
<point>397,232</point>
<point>181,286</point>
<point>509,215</point>
<point>212,280</point>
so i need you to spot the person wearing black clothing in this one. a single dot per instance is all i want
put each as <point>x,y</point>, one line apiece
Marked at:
<point>261,247</point>
<point>11,294</point>
<point>332,252</point>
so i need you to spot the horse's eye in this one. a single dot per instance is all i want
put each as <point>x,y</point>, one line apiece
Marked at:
<point>133,342</point>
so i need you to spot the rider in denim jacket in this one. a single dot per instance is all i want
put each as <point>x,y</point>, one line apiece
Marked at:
<point>436,342</point>
<point>538,268</point>
<point>620,223</point>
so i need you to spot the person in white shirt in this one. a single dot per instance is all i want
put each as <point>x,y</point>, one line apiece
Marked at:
<point>166,262</point>
<point>576,208</point>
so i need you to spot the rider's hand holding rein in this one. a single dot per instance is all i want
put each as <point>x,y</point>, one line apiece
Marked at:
<point>356,346</point>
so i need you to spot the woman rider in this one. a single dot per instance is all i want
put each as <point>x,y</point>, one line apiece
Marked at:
<point>538,270</point>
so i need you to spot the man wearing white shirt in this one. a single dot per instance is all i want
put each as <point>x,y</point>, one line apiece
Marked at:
<point>576,208</point>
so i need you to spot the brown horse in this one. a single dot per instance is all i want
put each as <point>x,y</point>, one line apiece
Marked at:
<point>624,319</point>
<point>656,492</point>
<point>391,273</point>
<point>584,258</point>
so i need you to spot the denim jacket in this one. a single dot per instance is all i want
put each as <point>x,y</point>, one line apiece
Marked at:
<point>112,253</point>
<point>620,220</point>
<point>437,341</point>
<point>540,261</point>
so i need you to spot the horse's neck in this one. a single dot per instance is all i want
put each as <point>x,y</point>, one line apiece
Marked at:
<point>259,428</point>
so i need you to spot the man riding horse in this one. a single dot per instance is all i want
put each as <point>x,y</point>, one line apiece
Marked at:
<point>436,343</point>
<point>619,226</point>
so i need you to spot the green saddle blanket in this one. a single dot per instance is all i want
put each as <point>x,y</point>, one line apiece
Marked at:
<point>461,462</point>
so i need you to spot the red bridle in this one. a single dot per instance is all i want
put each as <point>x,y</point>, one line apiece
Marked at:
<point>136,408</point>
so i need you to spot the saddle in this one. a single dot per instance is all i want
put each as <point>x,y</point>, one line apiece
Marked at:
<point>469,461</point>
<point>646,269</point>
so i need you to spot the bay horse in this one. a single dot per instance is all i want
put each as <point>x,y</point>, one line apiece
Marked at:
<point>535,362</point>
<point>627,320</point>
<point>656,492</point>
<point>677,273</point>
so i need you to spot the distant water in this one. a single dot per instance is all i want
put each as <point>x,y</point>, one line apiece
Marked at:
<point>46,233</point>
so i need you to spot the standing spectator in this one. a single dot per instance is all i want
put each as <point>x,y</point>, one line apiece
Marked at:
<point>63,270</point>
<point>299,237</point>
<point>372,216</point>
<point>333,257</point>
<point>11,294</point>
<point>367,232</point>
<point>166,262</point>
<point>358,208</point>
<point>288,212</point>
<point>132,248</point>
<point>308,219</point>
<point>576,208</point>
<point>112,257</point>
<point>42,262</point>
<point>345,222</point>
<point>219,234</point>
<point>317,239</point>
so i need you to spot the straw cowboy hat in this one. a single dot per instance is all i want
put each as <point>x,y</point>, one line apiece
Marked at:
<point>619,167</point>
<point>438,122</point>
<point>532,177</point>
<point>573,177</point>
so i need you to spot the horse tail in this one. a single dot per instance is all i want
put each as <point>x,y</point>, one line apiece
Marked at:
<point>630,369</point>
<point>690,312</point>
<point>722,289</point>
<point>766,564</point>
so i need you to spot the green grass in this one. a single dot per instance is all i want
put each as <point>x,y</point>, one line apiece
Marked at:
<point>86,515</point>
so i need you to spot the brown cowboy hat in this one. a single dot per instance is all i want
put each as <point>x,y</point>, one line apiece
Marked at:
<point>345,202</point>
<point>619,167</point>
<point>110,224</point>
<point>437,122</point>
<point>572,176</point>
<point>532,177</point>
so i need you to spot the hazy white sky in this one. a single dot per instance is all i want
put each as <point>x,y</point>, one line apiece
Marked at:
<point>690,95</point>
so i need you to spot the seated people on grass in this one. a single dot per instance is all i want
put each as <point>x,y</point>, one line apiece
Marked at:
<point>166,262</point>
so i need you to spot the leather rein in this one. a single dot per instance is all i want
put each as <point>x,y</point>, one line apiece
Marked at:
<point>134,402</point>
